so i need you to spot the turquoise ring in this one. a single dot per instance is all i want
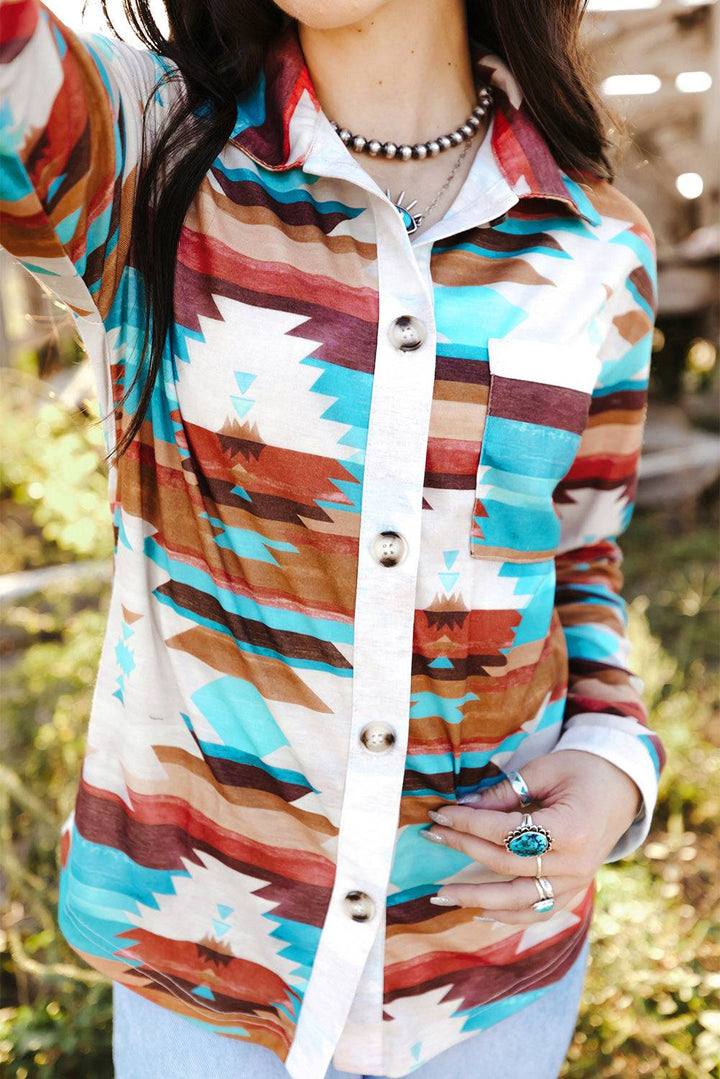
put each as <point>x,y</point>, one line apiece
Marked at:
<point>528,839</point>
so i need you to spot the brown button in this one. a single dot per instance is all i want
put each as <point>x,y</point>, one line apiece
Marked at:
<point>377,737</point>
<point>407,333</point>
<point>359,906</point>
<point>389,548</point>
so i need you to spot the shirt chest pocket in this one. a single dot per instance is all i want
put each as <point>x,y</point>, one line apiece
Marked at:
<point>538,406</point>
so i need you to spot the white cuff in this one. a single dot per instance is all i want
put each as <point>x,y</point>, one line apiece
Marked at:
<point>627,753</point>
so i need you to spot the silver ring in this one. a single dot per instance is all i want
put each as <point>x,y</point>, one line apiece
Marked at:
<point>544,888</point>
<point>520,787</point>
<point>546,901</point>
<point>538,859</point>
<point>542,906</point>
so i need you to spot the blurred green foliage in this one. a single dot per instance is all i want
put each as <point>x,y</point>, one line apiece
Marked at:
<point>62,1027</point>
<point>53,489</point>
<point>651,1004</point>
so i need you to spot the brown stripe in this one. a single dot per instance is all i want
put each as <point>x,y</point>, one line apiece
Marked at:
<point>286,643</point>
<point>273,679</point>
<point>250,193</point>
<point>461,371</point>
<point>447,481</point>
<point>229,773</point>
<point>483,983</point>
<point>539,403</point>
<point>622,401</point>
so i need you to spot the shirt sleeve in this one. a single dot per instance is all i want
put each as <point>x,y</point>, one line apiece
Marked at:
<point>71,109</point>
<point>605,713</point>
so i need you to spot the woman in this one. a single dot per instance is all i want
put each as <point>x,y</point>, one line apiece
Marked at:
<point>374,415</point>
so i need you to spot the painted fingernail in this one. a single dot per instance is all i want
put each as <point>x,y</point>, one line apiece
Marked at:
<point>443,901</point>
<point>435,836</point>
<point>439,818</point>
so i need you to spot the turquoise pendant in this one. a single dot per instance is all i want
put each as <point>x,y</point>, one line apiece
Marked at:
<point>410,220</point>
<point>528,840</point>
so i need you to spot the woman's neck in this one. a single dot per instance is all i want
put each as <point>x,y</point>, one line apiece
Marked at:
<point>402,75</point>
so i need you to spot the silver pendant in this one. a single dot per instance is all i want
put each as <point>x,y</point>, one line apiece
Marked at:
<point>410,220</point>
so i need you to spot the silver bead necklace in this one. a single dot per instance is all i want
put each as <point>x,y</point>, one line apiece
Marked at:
<point>419,152</point>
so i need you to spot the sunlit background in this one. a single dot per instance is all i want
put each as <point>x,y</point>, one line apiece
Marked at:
<point>651,1003</point>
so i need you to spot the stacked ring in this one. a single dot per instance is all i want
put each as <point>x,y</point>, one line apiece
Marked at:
<point>531,840</point>
<point>547,896</point>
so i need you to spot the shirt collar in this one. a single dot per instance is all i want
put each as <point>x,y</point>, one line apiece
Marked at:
<point>277,123</point>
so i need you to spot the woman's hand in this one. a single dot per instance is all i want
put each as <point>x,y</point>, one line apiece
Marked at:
<point>587,804</point>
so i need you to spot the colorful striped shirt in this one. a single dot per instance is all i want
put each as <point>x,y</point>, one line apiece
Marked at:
<point>353,580</point>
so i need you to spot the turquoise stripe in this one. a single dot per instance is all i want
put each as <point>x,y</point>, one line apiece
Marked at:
<point>247,543</point>
<point>583,202</point>
<point>408,894</point>
<point>594,594</point>
<point>99,883</point>
<point>111,869</point>
<point>591,642</point>
<point>536,615</point>
<point>621,386</point>
<point>15,180</point>
<point>649,741</point>
<point>302,944</point>
<point>463,312</point>
<point>251,107</point>
<point>90,936</point>
<point>635,360</point>
<point>640,249</point>
<point>550,452</point>
<point>424,705</point>
<point>486,1015</point>
<point>519,528</point>
<point>60,43</point>
<point>65,229</point>
<point>417,862</point>
<point>468,351</point>
<point>290,194</point>
<point>349,393</point>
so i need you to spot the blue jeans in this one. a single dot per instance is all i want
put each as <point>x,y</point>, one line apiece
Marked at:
<point>151,1042</point>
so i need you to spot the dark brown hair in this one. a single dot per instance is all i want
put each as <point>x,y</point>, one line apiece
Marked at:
<point>218,47</point>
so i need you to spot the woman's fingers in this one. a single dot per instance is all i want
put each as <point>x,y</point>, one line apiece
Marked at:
<point>491,824</point>
<point>509,894</point>
<point>499,859</point>
<point>529,916</point>
<point>511,901</point>
<point>481,833</point>
<point>567,830</point>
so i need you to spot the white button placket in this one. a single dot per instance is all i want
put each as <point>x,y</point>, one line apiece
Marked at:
<point>346,984</point>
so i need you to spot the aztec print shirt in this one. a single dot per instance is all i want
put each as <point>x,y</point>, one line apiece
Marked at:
<point>284,691</point>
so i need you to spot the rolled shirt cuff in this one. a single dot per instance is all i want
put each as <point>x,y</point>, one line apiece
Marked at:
<point>628,753</point>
